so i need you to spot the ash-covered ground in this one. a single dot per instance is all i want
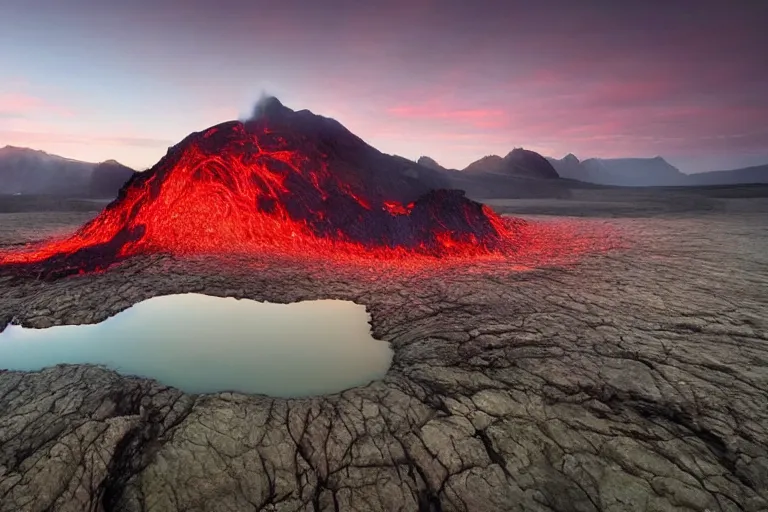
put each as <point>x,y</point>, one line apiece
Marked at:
<point>632,380</point>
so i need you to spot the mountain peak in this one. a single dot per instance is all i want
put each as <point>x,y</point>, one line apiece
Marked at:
<point>429,162</point>
<point>519,162</point>
<point>491,159</point>
<point>570,158</point>
<point>269,107</point>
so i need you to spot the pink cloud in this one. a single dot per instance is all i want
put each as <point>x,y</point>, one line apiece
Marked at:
<point>14,104</point>
<point>11,103</point>
<point>33,139</point>
<point>481,118</point>
<point>576,108</point>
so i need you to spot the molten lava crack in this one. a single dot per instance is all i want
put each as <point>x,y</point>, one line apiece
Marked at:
<point>285,183</point>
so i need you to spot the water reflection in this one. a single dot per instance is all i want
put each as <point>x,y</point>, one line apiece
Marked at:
<point>205,344</point>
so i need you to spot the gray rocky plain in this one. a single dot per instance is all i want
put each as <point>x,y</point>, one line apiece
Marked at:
<point>633,379</point>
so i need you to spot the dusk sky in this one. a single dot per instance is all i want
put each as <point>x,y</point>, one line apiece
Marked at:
<point>455,80</point>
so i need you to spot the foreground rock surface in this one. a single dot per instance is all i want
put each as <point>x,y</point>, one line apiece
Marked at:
<point>633,381</point>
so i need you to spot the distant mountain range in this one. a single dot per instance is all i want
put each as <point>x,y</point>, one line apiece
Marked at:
<point>526,174</point>
<point>756,174</point>
<point>519,162</point>
<point>25,171</point>
<point>520,174</point>
<point>639,172</point>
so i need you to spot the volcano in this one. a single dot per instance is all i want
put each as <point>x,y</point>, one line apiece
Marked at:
<point>283,181</point>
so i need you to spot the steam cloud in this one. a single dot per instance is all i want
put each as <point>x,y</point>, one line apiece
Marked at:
<point>263,104</point>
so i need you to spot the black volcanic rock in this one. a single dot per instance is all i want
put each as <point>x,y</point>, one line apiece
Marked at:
<point>319,139</point>
<point>360,180</point>
<point>378,175</point>
<point>518,162</point>
<point>451,210</point>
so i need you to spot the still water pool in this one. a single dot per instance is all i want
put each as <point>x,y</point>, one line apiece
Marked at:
<point>204,344</point>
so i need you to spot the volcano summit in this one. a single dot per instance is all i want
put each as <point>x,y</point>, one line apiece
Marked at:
<point>283,181</point>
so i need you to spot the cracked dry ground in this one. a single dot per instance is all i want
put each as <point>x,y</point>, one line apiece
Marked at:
<point>632,380</point>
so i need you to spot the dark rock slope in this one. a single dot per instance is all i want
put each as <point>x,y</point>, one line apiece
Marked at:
<point>634,382</point>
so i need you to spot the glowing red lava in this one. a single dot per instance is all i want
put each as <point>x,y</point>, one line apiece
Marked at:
<point>276,186</point>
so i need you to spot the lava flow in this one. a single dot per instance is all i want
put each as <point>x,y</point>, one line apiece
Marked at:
<point>283,182</point>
